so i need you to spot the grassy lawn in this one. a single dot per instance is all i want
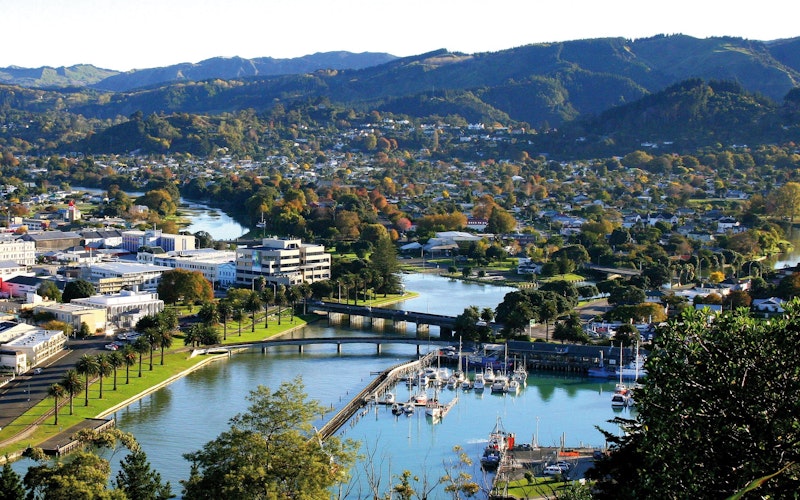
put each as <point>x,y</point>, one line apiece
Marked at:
<point>379,299</point>
<point>541,487</point>
<point>176,361</point>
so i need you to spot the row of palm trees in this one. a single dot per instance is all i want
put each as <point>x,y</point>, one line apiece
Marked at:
<point>156,333</point>
<point>240,301</point>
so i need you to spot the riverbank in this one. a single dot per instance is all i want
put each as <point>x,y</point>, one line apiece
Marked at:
<point>31,427</point>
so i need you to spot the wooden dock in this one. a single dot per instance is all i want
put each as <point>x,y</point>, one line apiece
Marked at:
<point>63,442</point>
<point>374,392</point>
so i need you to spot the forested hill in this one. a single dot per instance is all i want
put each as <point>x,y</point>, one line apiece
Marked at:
<point>604,92</point>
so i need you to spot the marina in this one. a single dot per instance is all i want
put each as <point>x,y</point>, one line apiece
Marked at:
<point>551,409</point>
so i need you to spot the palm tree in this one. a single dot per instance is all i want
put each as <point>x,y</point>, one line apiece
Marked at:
<point>104,369</point>
<point>153,336</point>
<point>71,382</point>
<point>141,345</point>
<point>56,391</point>
<point>225,311</point>
<point>292,296</point>
<point>266,297</point>
<point>87,366</point>
<point>129,355</point>
<point>192,335</point>
<point>165,342</point>
<point>253,305</point>
<point>238,315</point>
<point>115,359</point>
<point>306,293</point>
<point>280,300</point>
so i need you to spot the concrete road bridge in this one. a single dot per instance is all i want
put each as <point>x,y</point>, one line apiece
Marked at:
<point>377,317</point>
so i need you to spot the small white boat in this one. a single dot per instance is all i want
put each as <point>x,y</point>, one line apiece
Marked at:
<point>479,384</point>
<point>397,409</point>
<point>500,383</point>
<point>388,398</point>
<point>488,375</point>
<point>466,384</point>
<point>620,400</point>
<point>420,398</point>
<point>514,386</point>
<point>408,408</point>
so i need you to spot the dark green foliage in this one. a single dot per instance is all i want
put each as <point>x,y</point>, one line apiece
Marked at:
<point>49,290</point>
<point>77,289</point>
<point>11,487</point>
<point>139,481</point>
<point>716,413</point>
<point>270,451</point>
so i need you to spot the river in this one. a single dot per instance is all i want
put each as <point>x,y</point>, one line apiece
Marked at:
<point>215,222</point>
<point>193,410</point>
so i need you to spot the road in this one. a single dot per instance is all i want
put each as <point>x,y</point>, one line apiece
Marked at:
<point>27,390</point>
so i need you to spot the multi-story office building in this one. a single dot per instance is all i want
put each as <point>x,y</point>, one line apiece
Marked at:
<point>283,262</point>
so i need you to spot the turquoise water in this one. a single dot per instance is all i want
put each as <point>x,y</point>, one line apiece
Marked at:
<point>193,410</point>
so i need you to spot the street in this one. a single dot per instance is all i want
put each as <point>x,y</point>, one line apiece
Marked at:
<point>27,390</point>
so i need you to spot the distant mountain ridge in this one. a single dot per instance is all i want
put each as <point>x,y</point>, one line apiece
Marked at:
<point>541,86</point>
<point>225,68</point>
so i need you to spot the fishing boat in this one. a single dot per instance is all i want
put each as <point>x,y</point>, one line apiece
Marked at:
<point>499,442</point>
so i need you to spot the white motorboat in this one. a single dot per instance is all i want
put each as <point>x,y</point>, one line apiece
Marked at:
<point>500,383</point>
<point>388,398</point>
<point>480,383</point>
<point>514,386</point>
<point>488,375</point>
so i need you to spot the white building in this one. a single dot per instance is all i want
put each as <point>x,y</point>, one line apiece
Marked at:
<point>124,309</point>
<point>217,266</point>
<point>283,262</point>
<point>15,249</point>
<point>113,276</point>
<point>24,346</point>
<point>75,315</point>
<point>133,240</point>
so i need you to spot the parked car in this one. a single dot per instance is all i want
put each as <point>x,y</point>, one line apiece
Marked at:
<point>37,371</point>
<point>112,346</point>
<point>552,470</point>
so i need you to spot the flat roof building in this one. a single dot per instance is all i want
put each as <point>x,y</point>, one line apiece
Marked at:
<point>283,262</point>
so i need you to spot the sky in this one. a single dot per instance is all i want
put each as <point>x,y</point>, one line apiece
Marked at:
<point>135,34</point>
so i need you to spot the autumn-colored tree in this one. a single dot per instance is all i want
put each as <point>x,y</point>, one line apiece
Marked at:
<point>188,287</point>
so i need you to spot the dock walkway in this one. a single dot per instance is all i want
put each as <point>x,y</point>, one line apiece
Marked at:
<point>63,442</point>
<point>374,392</point>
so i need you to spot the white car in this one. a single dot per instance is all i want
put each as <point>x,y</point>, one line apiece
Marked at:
<point>552,470</point>
<point>112,346</point>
